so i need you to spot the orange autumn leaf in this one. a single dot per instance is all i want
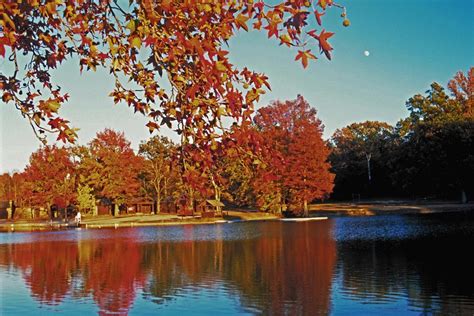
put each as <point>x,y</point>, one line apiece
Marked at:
<point>305,56</point>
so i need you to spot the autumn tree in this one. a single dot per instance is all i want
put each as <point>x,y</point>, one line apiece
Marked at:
<point>462,89</point>
<point>110,167</point>
<point>85,198</point>
<point>167,59</point>
<point>307,175</point>
<point>297,168</point>
<point>6,187</point>
<point>159,167</point>
<point>50,177</point>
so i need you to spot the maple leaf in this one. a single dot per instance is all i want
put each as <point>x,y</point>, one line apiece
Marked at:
<point>53,106</point>
<point>152,126</point>
<point>62,136</point>
<point>241,21</point>
<point>4,41</point>
<point>55,123</point>
<point>272,29</point>
<point>103,55</point>
<point>304,56</point>
<point>285,39</point>
<point>313,34</point>
<point>259,5</point>
<point>318,16</point>
<point>323,44</point>
<point>149,40</point>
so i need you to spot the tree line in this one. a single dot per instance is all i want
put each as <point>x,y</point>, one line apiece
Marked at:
<point>429,154</point>
<point>278,163</point>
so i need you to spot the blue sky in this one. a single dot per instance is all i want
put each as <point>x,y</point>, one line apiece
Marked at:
<point>411,44</point>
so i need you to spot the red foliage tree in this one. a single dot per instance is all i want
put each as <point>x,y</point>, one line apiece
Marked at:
<point>296,168</point>
<point>112,167</point>
<point>144,41</point>
<point>171,53</point>
<point>49,177</point>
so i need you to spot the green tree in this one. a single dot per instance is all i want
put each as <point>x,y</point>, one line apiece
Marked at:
<point>358,150</point>
<point>160,154</point>
<point>434,156</point>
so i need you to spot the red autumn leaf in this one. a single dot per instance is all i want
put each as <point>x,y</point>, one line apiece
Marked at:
<point>62,136</point>
<point>102,55</point>
<point>55,123</point>
<point>318,16</point>
<point>272,29</point>
<point>152,126</point>
<point>323,44</point>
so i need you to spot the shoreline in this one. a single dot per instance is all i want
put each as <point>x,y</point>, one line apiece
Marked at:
<point>316,210</point>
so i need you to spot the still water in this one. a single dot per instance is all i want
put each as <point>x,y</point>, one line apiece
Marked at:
<point>411,264</point>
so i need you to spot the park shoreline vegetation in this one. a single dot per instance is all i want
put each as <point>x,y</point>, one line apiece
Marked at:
<point>179,76</point>
<point>322,210</point>
<point>429,154</point>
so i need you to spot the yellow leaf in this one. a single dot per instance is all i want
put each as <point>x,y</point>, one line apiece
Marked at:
<point>136,42</point>
<point>207,8</point>
<point>131,26</point>
<point>116,64</point>
<point>220,66</point>
<point>285,39</point>
<point>242,21</point>
<point>8,21</point>
<point>54,106</point>
<point>222,111</point>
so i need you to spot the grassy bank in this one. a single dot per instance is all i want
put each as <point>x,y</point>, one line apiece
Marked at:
<point>327,209</point>
<point>107,221</point>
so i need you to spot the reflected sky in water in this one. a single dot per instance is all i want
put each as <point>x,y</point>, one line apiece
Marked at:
<point>386,265</point>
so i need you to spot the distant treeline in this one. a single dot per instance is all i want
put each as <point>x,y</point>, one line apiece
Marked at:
<point>429,154</point>
<point>278,163</point>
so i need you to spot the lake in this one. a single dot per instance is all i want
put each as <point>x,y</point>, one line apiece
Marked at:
<point>387,265</point>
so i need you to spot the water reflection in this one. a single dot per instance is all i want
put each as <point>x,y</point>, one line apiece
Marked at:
<point>424,262</point>
<point>288,271</point>
<point>358,266</point>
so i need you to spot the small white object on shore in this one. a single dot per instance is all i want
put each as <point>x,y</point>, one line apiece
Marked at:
<point>304,219</point>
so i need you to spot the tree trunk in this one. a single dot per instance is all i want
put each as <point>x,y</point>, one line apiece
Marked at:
<point>158,206</point>
<point>116,209</point>
<point>217,195</point>
<point>368,156</point>
<point>463,197</point>
<point>158,197</point>
<point>305,208</point>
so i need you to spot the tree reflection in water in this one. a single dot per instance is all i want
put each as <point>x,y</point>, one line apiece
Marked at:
<point>269,268</point>
<point>287,271</point>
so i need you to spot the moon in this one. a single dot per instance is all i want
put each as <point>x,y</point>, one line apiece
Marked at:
<point>366,53</point>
